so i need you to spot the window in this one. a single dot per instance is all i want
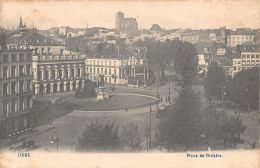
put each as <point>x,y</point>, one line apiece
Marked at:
<point>20,103</point>
<point>13,71</point>
<point>66,73</point>
<point>252,56</point>
<point>243,56</point>
<point>87,69</point>
<point>28,102</point>
<point>257,55</point>
<point>5,58</point>
<point>105,71</point>
<point>28,86</point>
<point>114,80</point>
<point>49,50</point>
<point>109,79</point>
<point>114,63</point>
<point>5,72</point>
<point>122,63</point>
<point>79,72</point>
<point>21,86</point>
<point>29,57</point>
<point>114,71</point>
<point>94,70</point>
<point>243,62</point>
<point>60,73</point>
<point>22,57</point>
<point>257,62</point>
<point>248,56</point>
<point>46,75</point>
<point>40,75</point>
<point>13,58</point>
<point>43,51</point>
<point>5,88</point>
<point>98,70</point>
<point>36,50</point>
<point>109,63</point>
<point>109,71</point>
<point>53,74</point>
<point>102,70</point>
<point>21,72</point>
<point>28,69</point>
<point>13,105</point>
<point>73,72</point>
<point>61,51</point>
<point>13,87</point>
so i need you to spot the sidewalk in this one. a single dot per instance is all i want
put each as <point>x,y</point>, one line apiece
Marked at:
<point>6,143</point>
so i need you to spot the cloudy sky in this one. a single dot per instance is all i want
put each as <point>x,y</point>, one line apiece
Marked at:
<point>168,14</point>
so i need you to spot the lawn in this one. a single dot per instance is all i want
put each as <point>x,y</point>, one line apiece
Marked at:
<point>114,102</point>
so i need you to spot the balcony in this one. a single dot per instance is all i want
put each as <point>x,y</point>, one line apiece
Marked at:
<point>47,58</point>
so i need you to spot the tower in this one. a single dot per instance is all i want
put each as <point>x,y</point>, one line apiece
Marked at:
<point>119,21</point>
<point>21,23</point>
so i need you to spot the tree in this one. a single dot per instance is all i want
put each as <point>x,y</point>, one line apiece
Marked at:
<point>181,124</point>
<point>130,138</point>
<point>231,129</point>
<point>182,54</point>
<point>214,81</point>
<point>99,137</point>
<point>243,89</point>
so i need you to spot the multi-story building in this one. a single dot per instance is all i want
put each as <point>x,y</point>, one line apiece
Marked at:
<point>132,70</point>
<point>54,68</point>
<point>239,38</point>
<point>16,105</point>
<point>248,58</point>
<point>56,73</point>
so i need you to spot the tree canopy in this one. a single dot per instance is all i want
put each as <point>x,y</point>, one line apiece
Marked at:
<point>215,80</point>
<point>181,124</point>
<point>243,89</point>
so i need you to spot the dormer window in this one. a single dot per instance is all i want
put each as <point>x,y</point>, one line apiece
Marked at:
<point>38,40</point>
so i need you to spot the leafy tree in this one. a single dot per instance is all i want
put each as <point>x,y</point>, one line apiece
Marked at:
<point>99,137</point>
<point>181,124</point>
<point>243,89</point>
<point>214,81</point>
<point>182,54</point>
<point>130,138</point>
<point>231,129</point>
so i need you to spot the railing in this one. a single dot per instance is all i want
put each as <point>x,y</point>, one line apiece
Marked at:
<point>58,57</point>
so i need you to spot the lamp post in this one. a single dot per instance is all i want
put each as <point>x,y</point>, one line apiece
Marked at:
<point>55,138</point>
<point>157,97</point>
<point>150,137</point>
<point>247,100</point>
<point>169,92</point>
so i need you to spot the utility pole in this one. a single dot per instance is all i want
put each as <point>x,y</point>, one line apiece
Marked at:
<point>150,138</point>
<point>169,92</point>
<point>157,97</point>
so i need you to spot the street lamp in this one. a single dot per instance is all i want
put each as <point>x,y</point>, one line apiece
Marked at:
<point>55,139</point>
<point>157,97</point>
<point>247,100</point>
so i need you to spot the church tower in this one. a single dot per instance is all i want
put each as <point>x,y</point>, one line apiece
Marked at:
<point>21,23</point>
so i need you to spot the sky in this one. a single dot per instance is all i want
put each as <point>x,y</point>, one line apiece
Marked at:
<point>168,14</point>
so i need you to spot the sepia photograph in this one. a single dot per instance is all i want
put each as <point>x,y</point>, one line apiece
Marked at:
<point>129,83</point>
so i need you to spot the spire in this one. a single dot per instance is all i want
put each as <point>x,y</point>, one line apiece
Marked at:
<point>21,22</point>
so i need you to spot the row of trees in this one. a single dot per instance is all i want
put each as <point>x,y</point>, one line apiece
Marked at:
<point>187,125</point>
<point>107,137</point>
<point>242,90</point>
<point>181,54</point>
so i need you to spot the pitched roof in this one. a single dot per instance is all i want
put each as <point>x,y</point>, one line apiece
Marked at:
<point>30,37</point>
